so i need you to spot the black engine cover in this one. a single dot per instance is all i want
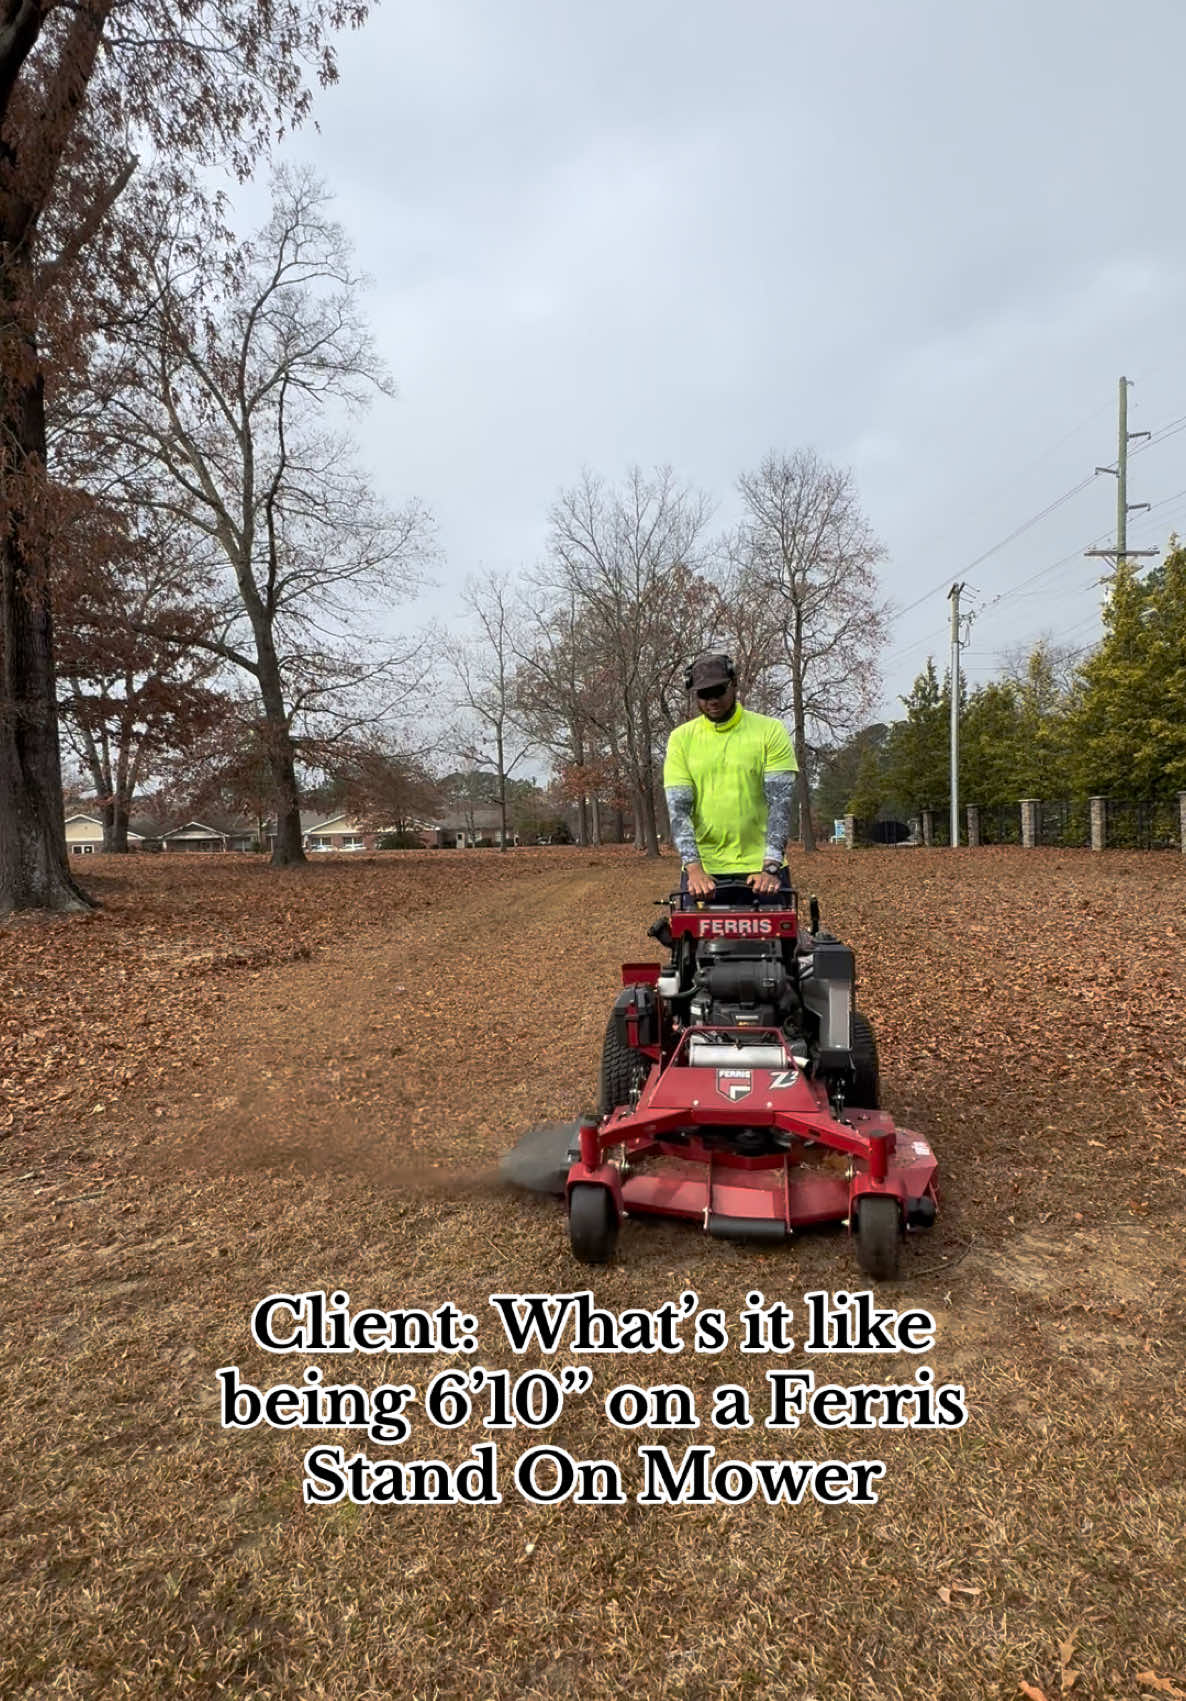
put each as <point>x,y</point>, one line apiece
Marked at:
<point>741,980</point>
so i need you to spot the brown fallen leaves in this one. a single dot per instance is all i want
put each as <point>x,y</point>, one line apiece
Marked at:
<point>1067,1676</point>
<point>949,1591</point>
<point>307,1079</point>
<point>92,1004</point>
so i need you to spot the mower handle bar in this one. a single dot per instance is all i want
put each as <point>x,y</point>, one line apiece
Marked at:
<point>779,899</point>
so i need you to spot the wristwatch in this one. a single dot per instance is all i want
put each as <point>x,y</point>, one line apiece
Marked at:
<point>772,868</point>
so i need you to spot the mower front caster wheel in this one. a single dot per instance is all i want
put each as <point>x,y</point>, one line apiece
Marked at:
<point>592,1222</point>
<point>879,1237</point>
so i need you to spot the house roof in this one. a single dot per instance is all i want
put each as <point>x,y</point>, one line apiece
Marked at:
<point>321,824</point>
<point>97,821</point>
<point>310,818</point>
<point>219,829</point>
<point>480,820</point>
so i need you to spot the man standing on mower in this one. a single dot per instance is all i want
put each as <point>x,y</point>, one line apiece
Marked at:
<point>728,777</point>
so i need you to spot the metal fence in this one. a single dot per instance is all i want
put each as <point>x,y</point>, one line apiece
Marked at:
<point>1149,825</point>
<point>1066,825</point>
<point>873,832</point>
<point>1000,825</point>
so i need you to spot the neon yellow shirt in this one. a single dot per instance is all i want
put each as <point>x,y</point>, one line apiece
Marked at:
<point>725,766</point>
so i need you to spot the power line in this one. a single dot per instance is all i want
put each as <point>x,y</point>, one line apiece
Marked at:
<point>1164,503</point>
<point>1161,435</point>
<point>1049,509</point>
<point>1166,431</point>
<point>1016,533</point>
<point>1028,466</point>
<point>1012,590</point>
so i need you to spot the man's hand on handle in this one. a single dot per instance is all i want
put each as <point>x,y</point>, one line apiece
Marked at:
<point>700,884</point>
<point>762,882</point>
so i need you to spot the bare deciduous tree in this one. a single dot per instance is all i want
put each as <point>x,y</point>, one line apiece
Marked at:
<point>563,689</point>
<point>214,409</point>
<point>805,544</point>
<point>631,558</point>
<point>491,734</point>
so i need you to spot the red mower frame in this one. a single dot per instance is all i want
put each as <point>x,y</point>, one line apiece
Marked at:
<point>855,1167</point>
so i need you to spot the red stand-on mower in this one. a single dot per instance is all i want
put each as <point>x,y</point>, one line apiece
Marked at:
<point>739,1088</point>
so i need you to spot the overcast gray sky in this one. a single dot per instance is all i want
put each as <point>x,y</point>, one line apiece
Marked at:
<point>923,237</point>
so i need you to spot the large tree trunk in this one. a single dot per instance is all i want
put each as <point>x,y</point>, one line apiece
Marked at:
<point>637,815</point>
<point>799,715</point>
<point>578,756</point>
<point>663,817</point>
<point>650,819</point>
<point>288,851</point>
<point>34,870</point>
<point>502,791</point>
<point>100,771</point>
<point>806,829</point>
<point>595,802</point>
<point>645,768</point>
<point>34,862</point>
<point>650,822</point>
<point>115,826</point>
<point>125,772</point>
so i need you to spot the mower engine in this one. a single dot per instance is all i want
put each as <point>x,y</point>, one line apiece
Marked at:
<point>739,983</point>
<point>802,987</point>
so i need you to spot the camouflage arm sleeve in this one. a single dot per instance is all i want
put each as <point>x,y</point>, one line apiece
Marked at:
<point>779,789</point>
<point>679,809</point>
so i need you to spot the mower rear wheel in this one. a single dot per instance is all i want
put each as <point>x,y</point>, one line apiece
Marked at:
<point>879,1237</point>
<point>592,1222</point>
<point>623,1070</point>
<point>866,1081</point>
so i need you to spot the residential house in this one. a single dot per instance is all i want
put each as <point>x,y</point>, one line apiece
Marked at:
<point>216,835</point>
<point>464,829</point>
<point>84,835</point>
<point>340,832</point>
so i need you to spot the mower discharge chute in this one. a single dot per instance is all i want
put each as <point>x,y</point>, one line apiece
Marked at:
<point>739,1089</point>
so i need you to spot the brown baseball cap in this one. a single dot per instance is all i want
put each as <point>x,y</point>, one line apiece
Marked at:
<point>707,671</point>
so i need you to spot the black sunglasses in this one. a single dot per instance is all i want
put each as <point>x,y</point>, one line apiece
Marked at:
<point>712,692</point>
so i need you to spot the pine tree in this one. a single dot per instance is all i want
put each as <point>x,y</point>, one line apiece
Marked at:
<point>917,765</point>
<point>1129,718</point>
<point>990,745</point>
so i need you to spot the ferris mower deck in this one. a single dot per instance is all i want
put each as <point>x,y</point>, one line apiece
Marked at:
<point>739,1089</point>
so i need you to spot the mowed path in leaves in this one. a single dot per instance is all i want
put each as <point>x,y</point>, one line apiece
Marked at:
<point>231,1081</point>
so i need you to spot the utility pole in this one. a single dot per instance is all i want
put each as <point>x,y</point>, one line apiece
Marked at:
<point>953,596</point>
<point>1119,472</point>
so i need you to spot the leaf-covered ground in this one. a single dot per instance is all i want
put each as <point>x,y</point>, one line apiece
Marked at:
<point>229,1082</point>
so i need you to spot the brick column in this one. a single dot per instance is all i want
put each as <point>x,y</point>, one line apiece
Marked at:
<point>1099,822</point>
<point>850,831</point>
<point>973,825</point>
<point>1029,822</point>
<point>928,827</point>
